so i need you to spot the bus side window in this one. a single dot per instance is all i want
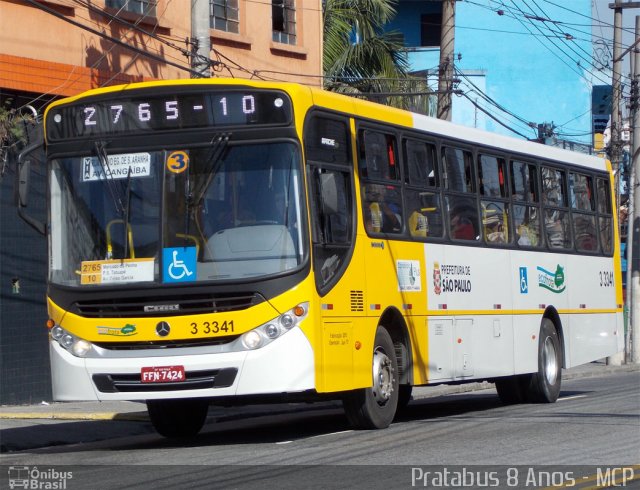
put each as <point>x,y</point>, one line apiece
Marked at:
<point>605,219</point>
<point>526,214</point>
<point>556,220</point>
<point>491,176</point>
<point>495,221</point>
<point>425,218</point>
<point>378,156</point>
<point>463,218</point>
<point>421,196</point>
<point>458,169</point>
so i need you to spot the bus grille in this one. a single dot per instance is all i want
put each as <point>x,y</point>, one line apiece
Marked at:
<point>166,344</point>
<point>167,306</point>
<point>195,380</point>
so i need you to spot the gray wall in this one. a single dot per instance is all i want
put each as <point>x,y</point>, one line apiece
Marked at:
<point>24,356</point>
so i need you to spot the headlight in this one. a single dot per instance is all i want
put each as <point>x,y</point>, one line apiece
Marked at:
<point>57,332</point>
<point>78,347</point>
<point>66,341</point>
<point>81,347</point>
<point>273,329</point>
<point>252,340</point>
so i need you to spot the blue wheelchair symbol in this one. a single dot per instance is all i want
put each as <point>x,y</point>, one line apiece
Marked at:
<point>524,284</point>
<point>179,264</point>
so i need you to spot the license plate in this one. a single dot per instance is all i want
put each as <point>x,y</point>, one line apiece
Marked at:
<point>162,374</point>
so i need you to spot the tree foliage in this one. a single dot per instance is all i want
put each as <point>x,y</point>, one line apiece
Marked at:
<point>361,59</point>
<point>12,131</point>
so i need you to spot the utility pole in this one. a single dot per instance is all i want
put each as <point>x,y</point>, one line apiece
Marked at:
<point>616,143</point>
<point>445,69</point>
<point>635,162</point>
<point>200,40</point>
<point>616,120</point>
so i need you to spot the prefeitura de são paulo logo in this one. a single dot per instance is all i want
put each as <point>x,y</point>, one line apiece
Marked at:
<point>437,278</point>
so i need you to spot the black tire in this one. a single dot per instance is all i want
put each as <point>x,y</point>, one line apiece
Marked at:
<point>513,389</point>
<point>544,386</point>
<point>375,407</point>
<point>404,396</point>
<point>178,418</point>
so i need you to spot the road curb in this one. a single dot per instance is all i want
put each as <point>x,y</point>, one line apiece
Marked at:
<point>133,417</point>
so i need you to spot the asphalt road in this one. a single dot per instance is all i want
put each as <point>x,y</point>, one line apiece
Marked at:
<point>592,429</point>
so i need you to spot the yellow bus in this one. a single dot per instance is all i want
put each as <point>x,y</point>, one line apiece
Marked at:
<point>234,241</point>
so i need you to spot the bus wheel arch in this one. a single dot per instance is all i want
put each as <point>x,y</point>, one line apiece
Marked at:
<point>552,314</point>
<point>395,324</point>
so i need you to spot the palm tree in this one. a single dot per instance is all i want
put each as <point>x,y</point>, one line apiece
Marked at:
<point>361,59</point>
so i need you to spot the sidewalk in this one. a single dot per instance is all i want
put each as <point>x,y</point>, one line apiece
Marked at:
<point>137,411</point>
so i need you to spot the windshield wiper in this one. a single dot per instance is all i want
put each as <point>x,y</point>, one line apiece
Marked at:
<point>126,215</point>
<point>122,208</point>
<point>103,159</point>
<point>212,162</point>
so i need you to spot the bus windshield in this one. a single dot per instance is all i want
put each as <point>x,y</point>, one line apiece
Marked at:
<point>212,213</point>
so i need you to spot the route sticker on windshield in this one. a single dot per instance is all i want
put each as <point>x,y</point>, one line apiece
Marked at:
<point>178,161</point>
<point>116,167</point>
<point>116,271</point>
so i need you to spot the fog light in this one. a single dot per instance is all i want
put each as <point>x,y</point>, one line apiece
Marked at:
<point>287,321</point>
<point>57,332</point>
<point>272,331</point>
<point>252,340</point>
<point>81,347</point>
<point>66,341</point>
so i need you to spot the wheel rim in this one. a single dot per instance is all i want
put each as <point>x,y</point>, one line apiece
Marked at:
<point>550,361</point>
<point>382,377</point>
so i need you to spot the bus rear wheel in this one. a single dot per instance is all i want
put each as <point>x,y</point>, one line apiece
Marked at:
<point>178,417</point>
<point>544,386</point>
<point>375,407</point>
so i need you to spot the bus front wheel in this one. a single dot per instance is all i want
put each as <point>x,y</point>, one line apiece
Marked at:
<point>178,418</point>
<point>375,407</point>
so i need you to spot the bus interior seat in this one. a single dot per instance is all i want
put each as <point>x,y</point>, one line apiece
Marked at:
<point>237,253</point>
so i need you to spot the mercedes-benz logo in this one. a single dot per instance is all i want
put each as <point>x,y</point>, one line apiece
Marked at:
<point>163,329</point>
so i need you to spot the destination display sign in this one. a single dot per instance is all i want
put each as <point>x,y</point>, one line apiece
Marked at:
<point>125,115</point>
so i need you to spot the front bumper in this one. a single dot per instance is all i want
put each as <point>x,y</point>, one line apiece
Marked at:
<point>283,366</point>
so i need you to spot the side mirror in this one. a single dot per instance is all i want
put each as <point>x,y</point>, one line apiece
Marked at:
<point>329,193</point>
<point>23,176</point>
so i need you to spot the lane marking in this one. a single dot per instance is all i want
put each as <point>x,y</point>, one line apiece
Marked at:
<point>318,436</point>
<point>574,397</point>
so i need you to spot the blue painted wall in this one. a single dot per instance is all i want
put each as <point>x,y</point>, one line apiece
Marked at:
<point>528,69</point>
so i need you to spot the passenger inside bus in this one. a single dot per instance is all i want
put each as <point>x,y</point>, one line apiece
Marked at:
<point>381,212</point>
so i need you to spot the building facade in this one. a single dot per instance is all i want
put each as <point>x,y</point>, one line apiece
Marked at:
<point>55,48</point>
<point>515,68</point>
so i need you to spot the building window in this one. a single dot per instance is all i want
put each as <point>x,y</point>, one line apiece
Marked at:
<point>224,15</point>
<point>283,13</point>
<point>430,27</point>
<point>141,7</point>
